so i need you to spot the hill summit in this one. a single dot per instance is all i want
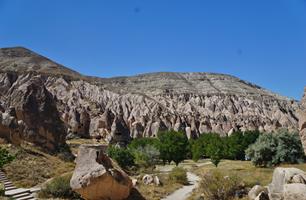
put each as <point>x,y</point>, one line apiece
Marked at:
<point>38,95</point>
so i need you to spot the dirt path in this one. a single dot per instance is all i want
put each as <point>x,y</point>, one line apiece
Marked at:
<point>184,192</point>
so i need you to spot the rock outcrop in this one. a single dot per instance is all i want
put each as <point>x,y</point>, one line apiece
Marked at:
<point>284,179</point>
<point>118,109</point>
<point>302,121</point>
<point>97,177</point>
<point>287,184</point>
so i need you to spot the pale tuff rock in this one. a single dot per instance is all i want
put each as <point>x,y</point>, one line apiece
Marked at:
<point>302,121</point>
<point>97,177</point>
<point>287,184</point>
<point>256,190</point>
<point>128,107</point>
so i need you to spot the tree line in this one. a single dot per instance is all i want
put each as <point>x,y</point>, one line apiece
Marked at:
<point>263,149</point>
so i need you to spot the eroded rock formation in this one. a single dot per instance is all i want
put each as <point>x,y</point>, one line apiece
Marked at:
<point>97,177</point>
<point>140,106</point>
<point>302,120</point>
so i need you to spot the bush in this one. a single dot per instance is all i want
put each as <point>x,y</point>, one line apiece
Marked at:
<point>216,186</point>
<point>142,142</point>
<point>273,149</point>
<point>146,156</point>
<point>59,187</point>
<point>178,175</point>
<point>5,157</point>
<point>2,191</point>
<point>122,156</point>
<point>173,146</point>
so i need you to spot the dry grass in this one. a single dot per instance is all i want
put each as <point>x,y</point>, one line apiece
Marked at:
<point>32,166</point>
<point>249,174</point>
<point>153,192</point>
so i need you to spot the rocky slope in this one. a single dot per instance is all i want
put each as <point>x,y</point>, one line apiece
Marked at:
<point>51,100</point>
<point>302,120</point>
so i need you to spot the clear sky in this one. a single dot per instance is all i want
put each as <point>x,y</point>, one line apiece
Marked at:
<point>262,41</point>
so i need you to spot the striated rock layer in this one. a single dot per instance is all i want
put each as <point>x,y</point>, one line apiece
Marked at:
<point>138,106</point>
<point>302,121</point>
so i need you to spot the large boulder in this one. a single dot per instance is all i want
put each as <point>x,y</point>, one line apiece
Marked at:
<point>302,121</point>
<point>284,179</point>
<point>97,177</point>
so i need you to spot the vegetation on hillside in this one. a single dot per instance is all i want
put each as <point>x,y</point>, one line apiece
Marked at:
<point>5,157</point>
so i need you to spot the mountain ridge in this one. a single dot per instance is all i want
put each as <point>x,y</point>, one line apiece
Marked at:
<point>121,108</point>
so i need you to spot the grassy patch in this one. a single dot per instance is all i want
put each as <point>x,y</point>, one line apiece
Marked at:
<point>249,174</point>
<point>32,166</point>
<point>59,187</point>
<point>153,192</point>
<point>178,175</point>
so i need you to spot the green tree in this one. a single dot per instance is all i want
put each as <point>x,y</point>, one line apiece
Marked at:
<point>273,149</point>
<point>215,149</point>
<point>173,146</point>
<point>122,156</point>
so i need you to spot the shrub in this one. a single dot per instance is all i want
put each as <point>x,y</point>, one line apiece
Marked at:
<point>5,157</point>
<point>146,156</point>
<point>59,187</point>
<point>142,142</point>
<point>173,146</point>
<point>216,186</point>
<point>2,189</point>
<point>273,149</point>
<point>122,156</point>
<point>178,175</point>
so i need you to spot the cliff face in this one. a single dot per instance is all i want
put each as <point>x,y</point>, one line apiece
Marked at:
<point>139,106</point>
<point>302,120</point>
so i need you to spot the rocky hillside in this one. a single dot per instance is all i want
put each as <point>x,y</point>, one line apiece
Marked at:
<point>302,120</point>
<point>42,101</point>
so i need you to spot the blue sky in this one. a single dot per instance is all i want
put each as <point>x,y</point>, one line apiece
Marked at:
<point>262,41</point>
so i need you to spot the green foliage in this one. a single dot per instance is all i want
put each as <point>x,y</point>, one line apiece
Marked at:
<point>5,157</point>
<point>215,149</point>
<point>238,142</point>
<point>199,146</point>
<point>178,175</point>
<point>173,146</point>
<point>122,156</point>
<point>59,187</point>
<point>142,142</point>
<point>216,186</point>
<point>2,189</point>
<point>145,151</point>
<point>273,149</point>
<point>146,156</point>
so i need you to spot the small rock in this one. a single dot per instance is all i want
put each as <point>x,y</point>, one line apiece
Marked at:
<point>147,179</point>
<point>135,182</point>
<point>157,181</point>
